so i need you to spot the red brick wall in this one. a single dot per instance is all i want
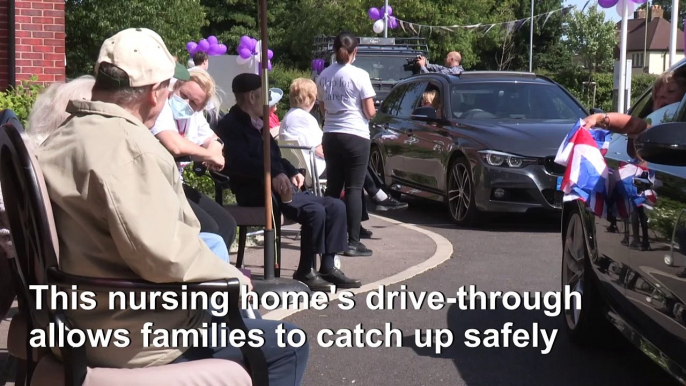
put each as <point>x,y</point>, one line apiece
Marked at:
<point>4,44</point>
<point>39,40</point>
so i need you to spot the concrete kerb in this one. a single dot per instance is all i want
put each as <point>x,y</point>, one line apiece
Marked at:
<point>444,250</point>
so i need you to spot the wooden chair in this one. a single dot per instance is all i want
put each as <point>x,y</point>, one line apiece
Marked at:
<point>36,263</point>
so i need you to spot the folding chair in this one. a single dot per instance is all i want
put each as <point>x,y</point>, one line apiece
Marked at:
<point>304,157</point>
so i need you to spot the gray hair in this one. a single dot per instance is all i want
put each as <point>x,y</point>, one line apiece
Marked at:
<point>49,110</point>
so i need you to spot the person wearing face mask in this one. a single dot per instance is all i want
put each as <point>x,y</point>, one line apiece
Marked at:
<point>121,212</point>
<point>322,218</point>
<point>347,98</point>
<point>183,130</point>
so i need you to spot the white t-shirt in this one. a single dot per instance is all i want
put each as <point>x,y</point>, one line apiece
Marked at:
<point>299,125</point>
<point>195,129</point>
<point>342,88</point>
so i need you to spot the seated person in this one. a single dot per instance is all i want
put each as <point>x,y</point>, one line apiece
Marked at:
<point>183,130</point>
<point>323,219</point>
<point>299,125</point>
<point>274,124</point>
<point>432,98</point>
<point>121,212</point>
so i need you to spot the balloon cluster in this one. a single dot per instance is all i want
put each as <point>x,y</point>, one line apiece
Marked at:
<point>210,45</point>
<point>318,65</point>
<point>620,5</point>
<point>250,51</point>
<point>377,16</point>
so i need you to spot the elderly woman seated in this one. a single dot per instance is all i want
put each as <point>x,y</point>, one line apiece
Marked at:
<point>299,125</point>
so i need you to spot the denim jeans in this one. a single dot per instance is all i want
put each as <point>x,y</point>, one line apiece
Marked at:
<point>216,244</point>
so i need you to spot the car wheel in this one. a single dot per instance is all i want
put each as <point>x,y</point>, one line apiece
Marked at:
<point>461,193</point>
<point>376,163</point>
<point>584,324</point>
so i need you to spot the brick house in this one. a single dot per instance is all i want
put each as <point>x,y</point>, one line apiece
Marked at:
<point>32,41</point>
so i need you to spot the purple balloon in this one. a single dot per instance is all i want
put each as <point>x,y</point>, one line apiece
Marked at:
<point>245,42</point>
<point>222,49</point>
<point>191,46</point>
<point>213,50</point>
<point>244,53</point>
<point>253,45</point>
<point>383,10</point>
<point>639,1</point>
<point>269,65</point>
<point>203,45</point>
<point>374,13</point>
<point>607,3</point>
<point>213,40</point>
<point>270,54</point>
<point>392,22</point>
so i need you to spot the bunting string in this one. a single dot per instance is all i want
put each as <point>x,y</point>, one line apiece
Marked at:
<point>511,25</point>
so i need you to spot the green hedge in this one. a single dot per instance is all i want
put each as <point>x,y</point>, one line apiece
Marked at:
<point>20,99</point>
<point>573,78</point>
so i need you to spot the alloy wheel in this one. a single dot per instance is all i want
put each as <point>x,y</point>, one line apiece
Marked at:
<point>459,192</point>
<point>573,266</point>
<point>376,164</point>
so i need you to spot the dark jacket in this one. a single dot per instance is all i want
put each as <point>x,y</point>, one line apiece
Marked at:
<point>243,150</point>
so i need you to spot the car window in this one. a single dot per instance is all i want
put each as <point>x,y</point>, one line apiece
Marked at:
<point>392,101</point>
<point>510,100</point>
<point>432,96</point>
<point>411,98</point>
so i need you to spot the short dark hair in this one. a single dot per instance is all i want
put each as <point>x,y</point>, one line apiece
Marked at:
<point>200,58</point>
<point>344,45</point>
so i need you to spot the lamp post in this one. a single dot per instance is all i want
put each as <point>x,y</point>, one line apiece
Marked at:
<point>531,38</point>
<point>385,19</point>
<point>675,28</point>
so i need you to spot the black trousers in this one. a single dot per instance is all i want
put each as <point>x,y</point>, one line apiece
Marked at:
<point>323,226</point>
<point>212,216</point>
<point>347,157</point>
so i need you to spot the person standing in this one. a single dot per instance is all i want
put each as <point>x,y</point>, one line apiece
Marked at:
<point>348,104</point>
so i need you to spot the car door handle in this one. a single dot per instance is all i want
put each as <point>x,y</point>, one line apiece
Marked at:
<point>642,183</point>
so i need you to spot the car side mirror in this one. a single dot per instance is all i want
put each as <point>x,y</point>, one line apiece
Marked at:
<point>663,144</point>
<point>424,114</point>
<point>596,110</point>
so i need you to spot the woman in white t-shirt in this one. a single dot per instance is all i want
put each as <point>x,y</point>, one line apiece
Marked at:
<point>182,128</point>
<point>347,94</point>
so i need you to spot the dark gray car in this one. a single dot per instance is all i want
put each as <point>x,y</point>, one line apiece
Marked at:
<point>488,147</point>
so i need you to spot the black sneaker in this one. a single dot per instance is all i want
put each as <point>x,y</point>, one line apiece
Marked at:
<point>365,233</point>
<point>390,203</point>
<point>338,278</point>
<point>313,280</point>
<point>357,250</point>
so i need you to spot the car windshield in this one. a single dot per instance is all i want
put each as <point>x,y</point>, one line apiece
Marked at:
<point>383,68</point>
<point>510,100</point>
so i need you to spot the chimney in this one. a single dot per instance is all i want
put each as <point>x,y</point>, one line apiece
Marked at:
<point>640,14</point>
<point>656,11</point>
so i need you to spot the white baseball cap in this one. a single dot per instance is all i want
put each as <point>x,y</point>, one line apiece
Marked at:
<point>142,54</point>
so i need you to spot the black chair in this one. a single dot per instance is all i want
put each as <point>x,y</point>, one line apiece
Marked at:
<point>37,251</point>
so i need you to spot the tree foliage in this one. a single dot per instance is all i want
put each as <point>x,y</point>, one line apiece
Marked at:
<point>89,22</point>
<point>592,38</point>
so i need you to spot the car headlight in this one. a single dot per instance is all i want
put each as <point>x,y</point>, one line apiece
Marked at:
<point>497,158</point>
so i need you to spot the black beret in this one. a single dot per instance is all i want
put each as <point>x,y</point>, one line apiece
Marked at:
<point>245,83</point>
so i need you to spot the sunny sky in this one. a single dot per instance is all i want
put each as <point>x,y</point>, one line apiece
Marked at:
<point>610,14</point>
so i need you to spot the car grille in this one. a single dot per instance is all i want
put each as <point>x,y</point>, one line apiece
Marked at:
<point>553,168</point>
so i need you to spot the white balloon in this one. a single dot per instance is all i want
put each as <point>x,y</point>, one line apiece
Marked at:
<point>242,62</point>
<point>625,3</point>
<point>378,26</point>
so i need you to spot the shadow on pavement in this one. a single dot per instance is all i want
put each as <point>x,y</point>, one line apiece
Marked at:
<point>435,215</point>
<point>614,362</point>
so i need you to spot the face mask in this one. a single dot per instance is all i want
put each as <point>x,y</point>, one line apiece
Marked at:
<point>180,108</point>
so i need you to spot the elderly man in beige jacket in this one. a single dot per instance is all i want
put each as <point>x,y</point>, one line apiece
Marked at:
<point>120,210</point>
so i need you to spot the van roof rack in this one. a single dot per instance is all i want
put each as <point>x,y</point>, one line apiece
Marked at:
<point>323,45</point>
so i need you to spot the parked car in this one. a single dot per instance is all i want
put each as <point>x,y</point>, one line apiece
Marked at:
<point>489,148</point>
<point>631,271</point>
